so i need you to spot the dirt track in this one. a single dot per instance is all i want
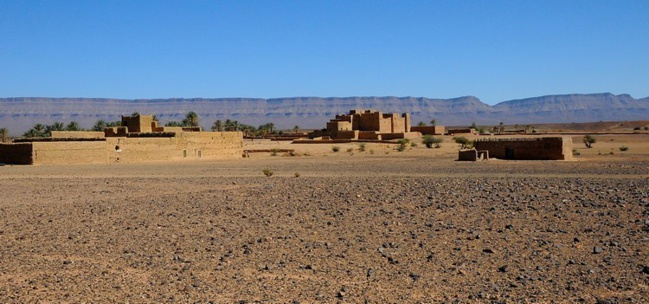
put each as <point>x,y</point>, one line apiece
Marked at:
<point>381,228</point>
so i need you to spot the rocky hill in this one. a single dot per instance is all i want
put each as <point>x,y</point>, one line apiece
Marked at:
<point>19,114</point>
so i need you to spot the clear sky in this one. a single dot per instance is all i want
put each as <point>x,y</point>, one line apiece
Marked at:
<point>495,50</point>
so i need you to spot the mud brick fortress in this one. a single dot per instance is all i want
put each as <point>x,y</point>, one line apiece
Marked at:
<point>543,148</point>
<point>368,125</point>
<point>138,139</point>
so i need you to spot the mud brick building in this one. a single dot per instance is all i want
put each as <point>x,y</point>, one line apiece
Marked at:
<point>539,148</point>
<point>138,139</point>
<point>368,124</point>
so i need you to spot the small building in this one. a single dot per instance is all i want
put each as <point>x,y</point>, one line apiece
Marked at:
<point>138,139</point>
<point>367,125</point>
<point>535,148</point>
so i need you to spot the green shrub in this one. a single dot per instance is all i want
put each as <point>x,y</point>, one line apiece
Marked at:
<point>268,172</point>
<point>274,151</point>
<point>464,142</point>
<point>403,144</point>
<point>430,141</point>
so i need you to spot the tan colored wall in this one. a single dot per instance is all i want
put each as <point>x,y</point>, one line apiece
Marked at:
<point>429,130</point>
<point>543,148</point>
<point>69,152</point>
<point>77,134</point>
<point>184,146</point>
<point>19,153</point>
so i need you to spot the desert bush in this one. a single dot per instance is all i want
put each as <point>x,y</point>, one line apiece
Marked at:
<point>575,152</point>
<point>335,149</point>
<point>372,151</point>
<point>297,174</point>
<point>589,141</point>
<point>268,172</point>
<point>403,144</point>
<point>464,142</point>
<point>274,151</point>
<point>350,150</point>
<point>624,148</point>
<point>413,144</point>
<point>430,141</point>
<point>361,147</point>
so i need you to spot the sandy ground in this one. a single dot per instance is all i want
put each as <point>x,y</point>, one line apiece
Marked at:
<point>375,226</point>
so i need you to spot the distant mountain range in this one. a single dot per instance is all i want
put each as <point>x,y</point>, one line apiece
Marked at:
<point>20,113</point>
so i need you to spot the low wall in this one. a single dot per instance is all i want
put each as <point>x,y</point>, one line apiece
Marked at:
<point>20,153</point>
<point>184,146</point>
<point>543,148</point>
<point>429,130</point>
<point>467,155</point>
<point>77,134</point>
<point>69,152</point>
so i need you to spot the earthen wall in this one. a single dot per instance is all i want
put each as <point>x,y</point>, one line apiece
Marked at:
<point>544,148</point>
<point>19,153</point>
<point>68,152</point>
<point>77,134</point>
<point>429,130</point>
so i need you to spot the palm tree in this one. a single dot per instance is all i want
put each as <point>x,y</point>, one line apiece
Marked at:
<point>433,122</point>
<point>56,126</point>
<point>3,134</point>
<point>501,128</point>
<point>296,128</point>
<point>73,126</point>
<point>100,125</point>
<point>191,119</point>
<point>217,126</point>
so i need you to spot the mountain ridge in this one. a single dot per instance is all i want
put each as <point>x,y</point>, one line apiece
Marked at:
<point>19,113</point>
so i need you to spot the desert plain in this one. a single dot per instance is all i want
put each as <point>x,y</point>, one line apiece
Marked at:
<point>372,226</point>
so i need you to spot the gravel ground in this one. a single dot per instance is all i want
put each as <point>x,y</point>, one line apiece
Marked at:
<point>380,229</point>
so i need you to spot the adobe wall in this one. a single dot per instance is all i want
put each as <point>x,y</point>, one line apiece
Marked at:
<point>19,153</point>
<point>544,148</point>
<point>372,121</point>
<point>184,146</point>
<point>139,123</point>
<point>429,130</point>
<point>69,152</point>
<point>467,155</point>
<point>77,134</point>
<point>400,123</point>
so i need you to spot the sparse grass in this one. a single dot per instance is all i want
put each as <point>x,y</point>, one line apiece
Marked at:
<point>335,149</point>
<point>268,172</point>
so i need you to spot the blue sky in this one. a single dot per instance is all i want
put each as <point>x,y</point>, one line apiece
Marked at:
<point>496,50</point>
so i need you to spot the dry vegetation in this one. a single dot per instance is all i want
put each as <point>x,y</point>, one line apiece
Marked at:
<point>376,226</point>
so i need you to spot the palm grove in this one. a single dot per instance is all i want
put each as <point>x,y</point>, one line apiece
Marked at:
<point>191,120</point>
